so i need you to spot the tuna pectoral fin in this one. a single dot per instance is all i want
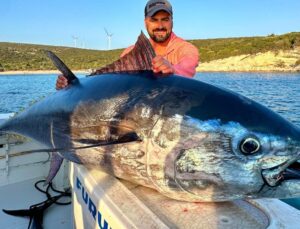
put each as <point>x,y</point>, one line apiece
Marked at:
<point>127,137</point>
<point>61,66</point>
<point>88,143</point>
<point>55,165</point>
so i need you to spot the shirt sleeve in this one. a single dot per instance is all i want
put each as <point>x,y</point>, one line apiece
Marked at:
<point>188,61</point>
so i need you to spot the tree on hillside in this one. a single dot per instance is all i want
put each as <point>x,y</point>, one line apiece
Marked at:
<point>293,42</point>
<point>1,68</point>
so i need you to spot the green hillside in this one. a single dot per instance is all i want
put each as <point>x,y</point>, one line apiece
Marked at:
<point>15,56</point>
<point>213,49</point>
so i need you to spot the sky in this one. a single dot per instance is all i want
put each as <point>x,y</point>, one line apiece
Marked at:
<point>57,22</point>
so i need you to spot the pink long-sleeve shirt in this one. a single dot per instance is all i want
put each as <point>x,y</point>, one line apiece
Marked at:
<point>181,54</point>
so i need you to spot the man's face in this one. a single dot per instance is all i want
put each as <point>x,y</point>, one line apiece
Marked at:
<point>159,26</point>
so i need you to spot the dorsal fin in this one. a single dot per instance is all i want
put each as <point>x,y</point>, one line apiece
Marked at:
<point>61,66</point>
<point>138,59</point>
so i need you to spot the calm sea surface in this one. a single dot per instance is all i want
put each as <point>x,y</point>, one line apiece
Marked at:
<point>280,92</point>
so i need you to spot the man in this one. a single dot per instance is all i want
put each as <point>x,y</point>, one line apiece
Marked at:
<point>173,54</point>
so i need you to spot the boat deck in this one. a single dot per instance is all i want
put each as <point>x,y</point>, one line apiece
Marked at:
<point>23,194</point>
<point>18,174</point>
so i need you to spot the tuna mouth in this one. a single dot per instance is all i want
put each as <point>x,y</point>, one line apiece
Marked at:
<point>287,171</point>
<point>292,172</point>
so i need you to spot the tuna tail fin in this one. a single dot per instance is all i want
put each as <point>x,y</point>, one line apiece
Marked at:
<point>61,66</point>
<point>138,59</point>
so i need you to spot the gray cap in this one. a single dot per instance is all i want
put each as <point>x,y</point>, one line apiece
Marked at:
<point>153,6</point>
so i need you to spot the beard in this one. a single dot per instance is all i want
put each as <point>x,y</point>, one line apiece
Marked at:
<point>160,38</point>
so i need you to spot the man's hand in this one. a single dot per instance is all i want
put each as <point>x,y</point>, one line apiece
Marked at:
<point>161,65</point>
<point>61,82</point>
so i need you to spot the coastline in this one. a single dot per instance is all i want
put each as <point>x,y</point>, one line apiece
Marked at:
<point>39,72</point>
<point>286,71</point>
<point>287,61</point>
<point>199,70</point>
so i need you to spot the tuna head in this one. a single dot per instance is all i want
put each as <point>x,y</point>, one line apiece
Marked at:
<point>231,162</point>
<point>226,147</point>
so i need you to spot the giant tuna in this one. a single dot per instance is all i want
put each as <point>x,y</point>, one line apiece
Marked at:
<point>187,139</point>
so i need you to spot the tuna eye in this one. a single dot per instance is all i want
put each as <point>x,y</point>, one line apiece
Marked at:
<point>249,146</point>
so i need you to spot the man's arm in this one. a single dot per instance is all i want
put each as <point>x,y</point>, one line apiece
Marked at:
<point>186,67</point>
<point>188,60</point>
<point>162,65</point>
<point>186,57</point>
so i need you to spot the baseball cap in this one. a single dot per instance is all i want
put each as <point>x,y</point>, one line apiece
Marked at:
<point>153,6</point>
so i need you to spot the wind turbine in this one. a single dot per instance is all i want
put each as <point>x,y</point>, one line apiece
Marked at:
<point>75,40</point>
<point>83,44</point>
<point>109,36</point>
